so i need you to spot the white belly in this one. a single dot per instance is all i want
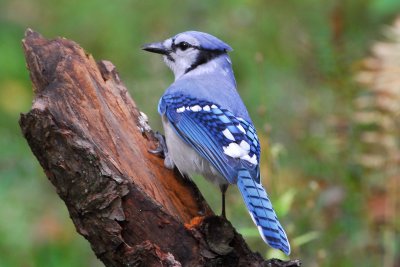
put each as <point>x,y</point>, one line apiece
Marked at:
<point>186,159</point>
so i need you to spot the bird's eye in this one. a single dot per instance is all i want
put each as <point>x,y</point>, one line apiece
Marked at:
<point>183,46</point>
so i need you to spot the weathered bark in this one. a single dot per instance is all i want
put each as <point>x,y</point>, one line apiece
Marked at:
<point>92,143</point>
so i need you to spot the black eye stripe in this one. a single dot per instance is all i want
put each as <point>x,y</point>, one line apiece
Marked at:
<point>183,46</point>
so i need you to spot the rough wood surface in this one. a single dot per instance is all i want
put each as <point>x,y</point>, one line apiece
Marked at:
<point>87,134</point>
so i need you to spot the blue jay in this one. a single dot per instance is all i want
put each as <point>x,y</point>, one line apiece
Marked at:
<point>207,128</point>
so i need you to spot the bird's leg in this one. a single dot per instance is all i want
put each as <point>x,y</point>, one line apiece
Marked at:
<point>162,151</point>
<point>223,189</point>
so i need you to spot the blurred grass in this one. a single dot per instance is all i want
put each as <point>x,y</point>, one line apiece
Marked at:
<point>294,62</point>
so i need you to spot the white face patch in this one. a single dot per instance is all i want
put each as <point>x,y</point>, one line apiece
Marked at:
<point>228,134</point>
<point>181,59</point>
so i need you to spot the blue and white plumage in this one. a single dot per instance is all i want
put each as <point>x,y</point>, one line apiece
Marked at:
<point>207,127</point>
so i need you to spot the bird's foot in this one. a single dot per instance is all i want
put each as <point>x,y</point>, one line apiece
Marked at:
<point>162,151</point>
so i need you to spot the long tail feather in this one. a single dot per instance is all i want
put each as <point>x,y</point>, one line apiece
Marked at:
<point>262,213</point>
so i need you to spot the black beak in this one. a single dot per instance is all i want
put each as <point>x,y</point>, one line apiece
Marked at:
<point>158,48</point>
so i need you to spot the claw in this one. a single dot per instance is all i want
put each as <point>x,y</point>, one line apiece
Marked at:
<point>161,150</point>
<point>158,151</point>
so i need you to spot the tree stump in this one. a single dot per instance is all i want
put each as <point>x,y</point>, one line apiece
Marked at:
<point>93,142</point>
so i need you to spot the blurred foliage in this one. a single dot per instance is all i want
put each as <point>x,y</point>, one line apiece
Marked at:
<point>378,115</point>
<point>294,62</point>
<point>378,108</point>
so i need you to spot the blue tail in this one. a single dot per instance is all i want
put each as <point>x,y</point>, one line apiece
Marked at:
<point>262,213</point>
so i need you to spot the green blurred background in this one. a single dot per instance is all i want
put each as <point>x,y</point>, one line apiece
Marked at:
<point>294,62</point>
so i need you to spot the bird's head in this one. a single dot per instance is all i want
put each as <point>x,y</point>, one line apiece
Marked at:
<point>188,50</point>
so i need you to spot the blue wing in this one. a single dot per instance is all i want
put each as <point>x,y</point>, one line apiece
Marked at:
<point>229,143</point>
